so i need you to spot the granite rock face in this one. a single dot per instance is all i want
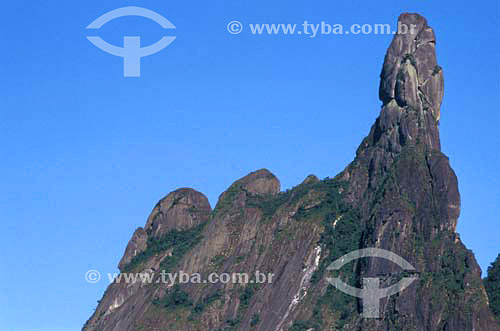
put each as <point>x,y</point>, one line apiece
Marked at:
<point>399,194</point>
<point>259,182</point>
<point>137,244</point>
<point>410,74</point>
<point>181,209</point>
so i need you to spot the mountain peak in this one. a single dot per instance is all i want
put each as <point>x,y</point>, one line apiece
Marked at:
<point>411,89</point>
<point>411,75</point>
<point>399,194</point>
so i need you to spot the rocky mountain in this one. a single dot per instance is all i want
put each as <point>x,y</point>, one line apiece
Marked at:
<point>492,285</point>
<point>399,194</point>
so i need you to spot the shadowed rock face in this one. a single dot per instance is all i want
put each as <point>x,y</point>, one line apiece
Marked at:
<point>399,194</point>
<point>411,85</point>
<point>492,284</point>
<point>410,74</point>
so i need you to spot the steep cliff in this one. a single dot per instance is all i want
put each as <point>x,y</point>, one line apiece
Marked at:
<point>399,194</point>
<point>492,285</point>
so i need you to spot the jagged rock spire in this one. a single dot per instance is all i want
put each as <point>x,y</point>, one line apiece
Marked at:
<point>411,74</point>
<point>411,85</point>
<point>411,90</point>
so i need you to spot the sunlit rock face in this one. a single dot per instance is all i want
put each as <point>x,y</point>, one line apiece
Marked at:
<point>399,194</point>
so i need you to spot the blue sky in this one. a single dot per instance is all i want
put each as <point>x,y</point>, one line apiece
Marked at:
<point>86,153</point>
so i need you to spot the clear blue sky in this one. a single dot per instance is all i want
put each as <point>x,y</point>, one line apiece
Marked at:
<point>86,153</point>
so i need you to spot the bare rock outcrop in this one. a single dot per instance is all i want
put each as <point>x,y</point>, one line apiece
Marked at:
<point>137,244</point>
<point>181,209</point>
<point>258,182</point>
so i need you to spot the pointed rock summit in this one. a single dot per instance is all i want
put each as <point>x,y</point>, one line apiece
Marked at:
<point>411,91</point>
<point>411,85</point>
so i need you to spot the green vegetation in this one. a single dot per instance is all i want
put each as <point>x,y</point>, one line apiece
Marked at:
<point>454,269</point>
<point>255,320</point>
<point>262,249</point>
<point>240,259</point>
<point>174,298</point>
<point>492,285</point>
<point>303,326</point>
<point>409,57</point>
<point>342,230</point>
<point>180,241</point>
<point>218,260</point>
<point>246,295</point>
<point>268,203</point>
<point>342,234</point>
<point>203,303</point>
<point>400,76</point>
<point>232,323</point>
<point>228,197</point>
<point>449,279</point>
<point>436,70</point>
